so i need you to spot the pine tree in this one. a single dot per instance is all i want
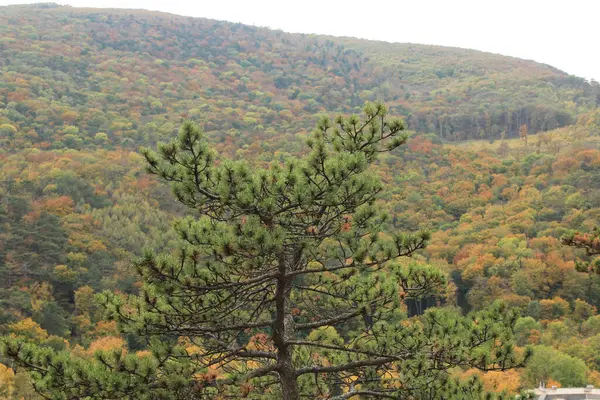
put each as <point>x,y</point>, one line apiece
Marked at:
<point>284,287</point>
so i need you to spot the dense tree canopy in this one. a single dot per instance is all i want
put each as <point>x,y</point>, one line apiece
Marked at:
<point>283,278</point>
<point>498,217</point>
<point>511,219</point>
<point>80,78</point>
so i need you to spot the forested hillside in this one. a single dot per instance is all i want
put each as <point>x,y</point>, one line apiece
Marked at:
<point>82,89</point>
<point>79,78</point>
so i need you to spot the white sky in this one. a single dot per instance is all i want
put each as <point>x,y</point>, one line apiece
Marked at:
<point>562,33</point>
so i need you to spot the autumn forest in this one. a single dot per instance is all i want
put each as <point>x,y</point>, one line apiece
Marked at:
<point>196,209</point>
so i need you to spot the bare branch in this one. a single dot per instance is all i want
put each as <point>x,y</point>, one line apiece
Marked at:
<point>373,362</point>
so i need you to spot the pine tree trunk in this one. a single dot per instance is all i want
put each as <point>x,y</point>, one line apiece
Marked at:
<point>287,376</point>
<point>282,332</point>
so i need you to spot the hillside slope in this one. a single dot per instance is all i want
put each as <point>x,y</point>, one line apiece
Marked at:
<point>75,78</point>
<point>105,81</point>
<point>72,221</point>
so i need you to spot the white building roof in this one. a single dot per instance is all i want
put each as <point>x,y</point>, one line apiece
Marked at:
<point>554,393</point>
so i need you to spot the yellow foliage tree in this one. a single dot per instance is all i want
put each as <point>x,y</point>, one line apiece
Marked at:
<point>29,329</point>
<point>7,382</point>
<point>40,294</point>
<point>107,343</point>
<point>554,308</point>
<point>506,381</point>
<point>84,300</point>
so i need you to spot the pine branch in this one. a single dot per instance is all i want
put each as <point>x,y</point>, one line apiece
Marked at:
<point>370,393</point>
<point>341,348</point>
<point>374,362</point>
<point>329,322</point>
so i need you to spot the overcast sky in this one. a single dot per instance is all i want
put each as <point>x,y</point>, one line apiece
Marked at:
<point>564,34</point>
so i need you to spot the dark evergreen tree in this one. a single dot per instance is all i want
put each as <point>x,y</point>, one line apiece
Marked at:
<point>285,282</point>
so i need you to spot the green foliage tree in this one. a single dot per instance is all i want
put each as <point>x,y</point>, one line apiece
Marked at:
<point>51,317</point>
<point>549,363</point>
<point>286,284</point>
<point>524,327</point>
<point>591,327</point>
<point>582,311</point>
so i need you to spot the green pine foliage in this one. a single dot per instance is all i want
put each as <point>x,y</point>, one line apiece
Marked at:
<point>286,283</point>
